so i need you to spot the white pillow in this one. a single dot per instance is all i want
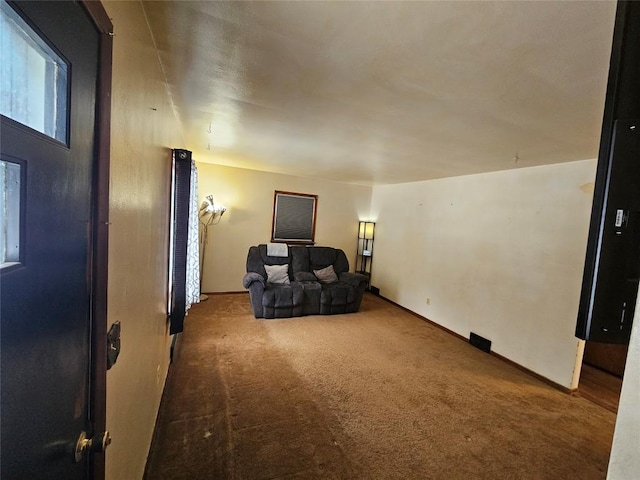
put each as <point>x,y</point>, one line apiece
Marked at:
<point>278,274</point>
<point>326,275</point>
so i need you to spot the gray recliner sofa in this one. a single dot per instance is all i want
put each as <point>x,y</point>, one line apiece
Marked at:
<point>311,287</point>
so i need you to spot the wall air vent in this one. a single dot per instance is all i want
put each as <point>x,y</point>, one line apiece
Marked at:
<point>480,342</point>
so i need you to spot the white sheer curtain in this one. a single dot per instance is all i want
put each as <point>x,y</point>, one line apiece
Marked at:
<point>193,246</point>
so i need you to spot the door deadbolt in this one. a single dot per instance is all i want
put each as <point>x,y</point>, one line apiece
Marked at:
<point>85,445</point>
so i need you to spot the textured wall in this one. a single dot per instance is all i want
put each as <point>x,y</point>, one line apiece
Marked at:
<point>248,196</point>
<point>143,129</point>
<point>500,254</point>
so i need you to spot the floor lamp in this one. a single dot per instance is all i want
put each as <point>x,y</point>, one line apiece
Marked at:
<point>209,214</point>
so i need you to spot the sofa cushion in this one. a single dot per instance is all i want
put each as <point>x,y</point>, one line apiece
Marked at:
<point>311,299</point>
<point>278,274</point>
<point>305,277</point>
<point>326,275</point>
<point>337,294</point>
<point>299,259</point>
<point>321,257</point>
<point>307,259</point>
<point>282,296</point>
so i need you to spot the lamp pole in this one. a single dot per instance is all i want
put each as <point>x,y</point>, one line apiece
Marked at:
<point>208,215</point>
<point>205,233</point>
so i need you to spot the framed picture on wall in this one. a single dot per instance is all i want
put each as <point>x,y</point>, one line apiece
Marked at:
<point>294,218</point>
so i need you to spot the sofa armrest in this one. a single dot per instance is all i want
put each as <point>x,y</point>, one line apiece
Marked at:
<point>305,277</point>
<point>251,277</point>
<point>355,279</point>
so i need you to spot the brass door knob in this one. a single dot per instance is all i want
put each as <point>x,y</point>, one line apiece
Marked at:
<point>84,445</point>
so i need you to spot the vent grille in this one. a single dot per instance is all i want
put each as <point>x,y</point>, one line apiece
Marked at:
<point>480,342</point>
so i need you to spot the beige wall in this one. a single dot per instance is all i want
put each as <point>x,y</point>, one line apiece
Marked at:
<point>624,462</point>
<point>143,129</point>
<point>248,196</point>
<point>499,254</point>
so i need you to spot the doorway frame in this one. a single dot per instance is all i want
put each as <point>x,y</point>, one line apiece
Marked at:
<point>100,230</point>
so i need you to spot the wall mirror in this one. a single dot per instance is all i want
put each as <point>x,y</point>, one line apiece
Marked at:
<point>294,218</point>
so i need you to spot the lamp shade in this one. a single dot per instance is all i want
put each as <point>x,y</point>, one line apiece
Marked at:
<point>366,230</point>
<point>210,211</point>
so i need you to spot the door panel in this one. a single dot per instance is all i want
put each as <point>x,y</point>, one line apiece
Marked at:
<point>45,307</point>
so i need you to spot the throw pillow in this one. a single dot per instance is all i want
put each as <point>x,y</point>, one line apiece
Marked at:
<point>278,274</point>
<point>326,275</point>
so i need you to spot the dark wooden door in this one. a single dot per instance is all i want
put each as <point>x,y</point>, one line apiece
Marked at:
<point>46,282</point>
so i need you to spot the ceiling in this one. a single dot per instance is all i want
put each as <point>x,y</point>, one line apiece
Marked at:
<point>386,92</point>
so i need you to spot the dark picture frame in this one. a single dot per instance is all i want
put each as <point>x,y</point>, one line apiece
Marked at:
<point>294,218</point>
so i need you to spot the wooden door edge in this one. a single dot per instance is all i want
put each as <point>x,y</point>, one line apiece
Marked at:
<point>100,230</point>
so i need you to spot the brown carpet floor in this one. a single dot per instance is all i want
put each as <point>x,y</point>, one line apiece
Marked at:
<point>379,394</point>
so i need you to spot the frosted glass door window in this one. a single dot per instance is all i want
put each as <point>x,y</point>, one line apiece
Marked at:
<point>33,78</point>
<point>9,213</point>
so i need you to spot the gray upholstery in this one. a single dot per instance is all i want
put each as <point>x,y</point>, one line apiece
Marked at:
<point>280,301</point>
<point>305,295</point>
<point>308,259</point>
<point>311,301</point>
<point>271,300</point>
<point>257,258</point>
